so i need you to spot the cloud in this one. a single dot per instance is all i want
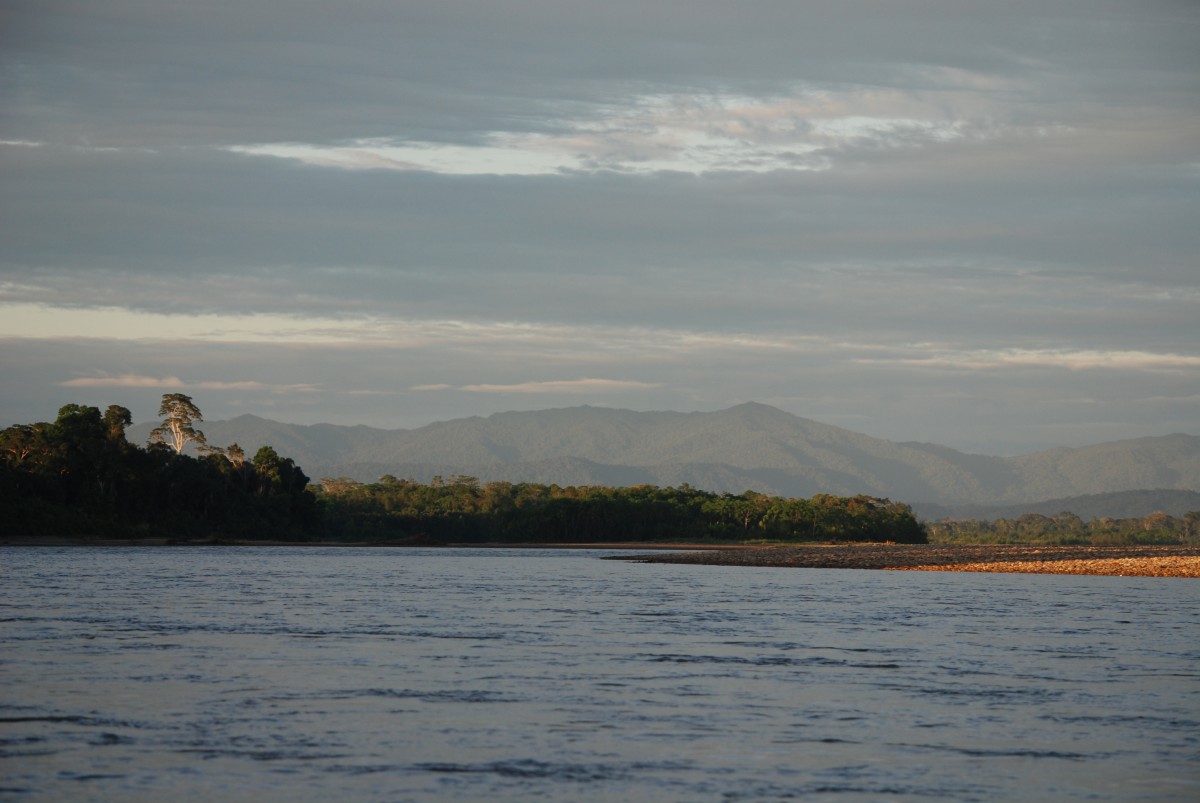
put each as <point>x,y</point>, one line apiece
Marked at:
<point>175,383</point>
<point>583,340</point>
<point>498,160</point>
<point>983,360</point>
<point>32,320</point>
<point>565,386</point>
<point>124,381</point>
<point>686,133</point>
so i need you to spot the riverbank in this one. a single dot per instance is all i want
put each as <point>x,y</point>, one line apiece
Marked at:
<point>1142,561</point>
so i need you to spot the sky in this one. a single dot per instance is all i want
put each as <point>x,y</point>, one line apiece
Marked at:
<point>960,222</point>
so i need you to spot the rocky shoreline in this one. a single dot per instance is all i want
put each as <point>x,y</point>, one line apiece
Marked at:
<point>1142,561</point>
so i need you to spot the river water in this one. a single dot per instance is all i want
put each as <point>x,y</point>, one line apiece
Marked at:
<point>304,674</point>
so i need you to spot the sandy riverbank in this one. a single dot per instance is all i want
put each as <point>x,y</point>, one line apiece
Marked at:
<point>1145,561</point>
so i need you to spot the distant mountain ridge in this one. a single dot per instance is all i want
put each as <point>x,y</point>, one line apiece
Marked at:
<point>748,447</point>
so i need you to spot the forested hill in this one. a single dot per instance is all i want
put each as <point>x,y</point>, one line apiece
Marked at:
<point>751,446</point>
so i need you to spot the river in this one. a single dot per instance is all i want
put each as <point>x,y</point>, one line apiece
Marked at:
<point>312,673</point>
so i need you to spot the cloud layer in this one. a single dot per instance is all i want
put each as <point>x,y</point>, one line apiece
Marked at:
<point>966,223</point>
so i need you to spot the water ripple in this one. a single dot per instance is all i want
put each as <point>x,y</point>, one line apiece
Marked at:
<point>381,675</point>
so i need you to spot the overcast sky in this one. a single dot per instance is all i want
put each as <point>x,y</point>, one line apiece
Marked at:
<point>972,223</point>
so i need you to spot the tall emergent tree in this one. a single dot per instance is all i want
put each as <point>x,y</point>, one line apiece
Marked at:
<point>116,419</point>
<point>178,426</point>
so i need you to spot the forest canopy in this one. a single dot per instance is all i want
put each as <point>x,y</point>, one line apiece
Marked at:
<point>80,476</point>
<point>462,509</point>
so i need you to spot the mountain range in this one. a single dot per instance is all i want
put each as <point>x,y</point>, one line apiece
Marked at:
<point>748,447</point>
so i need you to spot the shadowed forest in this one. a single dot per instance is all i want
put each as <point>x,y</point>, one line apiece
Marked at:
<point>80,476</point>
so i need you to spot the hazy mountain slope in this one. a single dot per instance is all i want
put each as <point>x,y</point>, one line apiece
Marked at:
<point>307,445</point>
<point>1117,505</point>
<point>751,446</point>
<point>750,437</point>
<point>1170,461</point>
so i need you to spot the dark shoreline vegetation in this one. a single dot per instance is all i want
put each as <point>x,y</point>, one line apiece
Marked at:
<point>462,510</point>
<point>80,477</point>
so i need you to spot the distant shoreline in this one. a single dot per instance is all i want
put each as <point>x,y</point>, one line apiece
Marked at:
<point>1130,561</point>
<point>1140,561</point>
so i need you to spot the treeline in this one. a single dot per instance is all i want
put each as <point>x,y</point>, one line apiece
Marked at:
<point>79,476</point>
<point>461,509</point>
<point>1068,528</point>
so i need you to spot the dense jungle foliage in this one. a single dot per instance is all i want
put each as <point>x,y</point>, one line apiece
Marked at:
<point>79,476</point>
<point>462,509</point>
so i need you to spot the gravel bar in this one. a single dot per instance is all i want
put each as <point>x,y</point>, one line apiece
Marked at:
<point>1143,561</point>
